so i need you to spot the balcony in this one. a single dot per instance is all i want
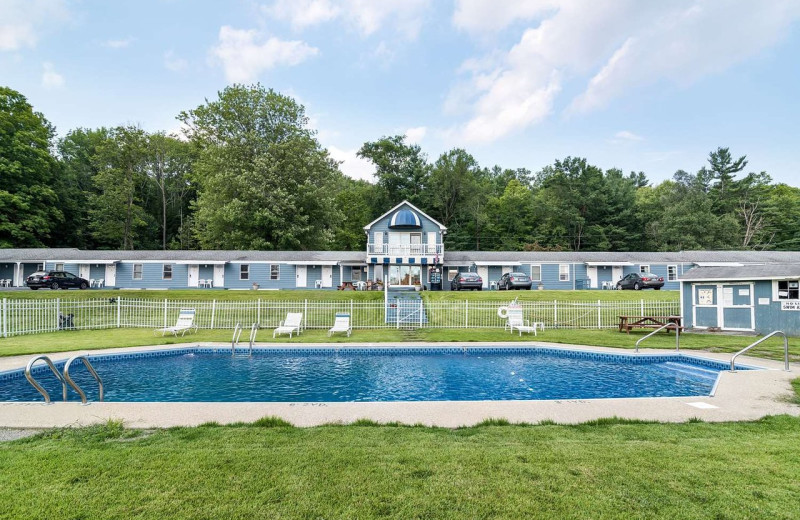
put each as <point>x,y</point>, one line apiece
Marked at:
<point>404,250</point>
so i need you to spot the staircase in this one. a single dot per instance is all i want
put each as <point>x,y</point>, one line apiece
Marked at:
<point>405,308</point>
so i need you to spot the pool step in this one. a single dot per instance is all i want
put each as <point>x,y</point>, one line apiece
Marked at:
<point>691,370</point>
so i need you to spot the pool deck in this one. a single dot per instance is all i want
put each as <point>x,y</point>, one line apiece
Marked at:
<point>741,396</point>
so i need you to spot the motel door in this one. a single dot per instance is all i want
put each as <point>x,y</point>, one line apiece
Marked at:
<point>219,275</point>
<point>194,276</point>
<point>327,276</point>
<point>483,272</point>
<point>300,279</point>
<point>84,271</point>
<point>111,275</point>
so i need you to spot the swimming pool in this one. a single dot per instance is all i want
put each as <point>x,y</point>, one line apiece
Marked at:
<point>355,374</point>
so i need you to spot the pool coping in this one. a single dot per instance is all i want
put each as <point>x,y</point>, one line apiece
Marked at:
<point>741,396</point>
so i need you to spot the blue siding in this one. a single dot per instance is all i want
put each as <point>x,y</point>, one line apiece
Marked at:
<point>771,317</point>
<point>152,276</point>
<point>7,271</point>
<point>97,271</point>
<point>383,225</point>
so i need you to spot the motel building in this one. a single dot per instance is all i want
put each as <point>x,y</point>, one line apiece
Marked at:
<point>404,251</point>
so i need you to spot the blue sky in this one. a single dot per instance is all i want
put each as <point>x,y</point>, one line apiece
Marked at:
<point>651,86</point>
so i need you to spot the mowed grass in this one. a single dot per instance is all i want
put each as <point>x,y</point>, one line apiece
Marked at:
<point>605,469</point>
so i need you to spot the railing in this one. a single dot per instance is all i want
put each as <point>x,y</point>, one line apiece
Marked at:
<point>404,249</point>
<point>771,334</point>
<point>667,326</point>
<point>37,386</point>
<point>38,316</point>
<point>91,370</point>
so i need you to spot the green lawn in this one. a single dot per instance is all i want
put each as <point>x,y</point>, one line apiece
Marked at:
<point>605,469</point>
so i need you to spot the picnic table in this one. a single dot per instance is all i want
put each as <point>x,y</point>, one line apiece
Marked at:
<point>347,286</point>
<point>627,323</point>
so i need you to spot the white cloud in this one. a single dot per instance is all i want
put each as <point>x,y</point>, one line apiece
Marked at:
<point>352,165</point>
<point>368,17</point>
<point>118,44</point>
<point>303,13</point>
<point>50,78</point>
<point>416,135</point>
<point>612,45</point>
<point>174,62</point>
<point>23,21</point>
<point>625,135</point>
<point>245,54</point>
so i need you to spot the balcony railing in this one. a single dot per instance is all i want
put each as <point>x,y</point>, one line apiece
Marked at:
<point>404,249</point>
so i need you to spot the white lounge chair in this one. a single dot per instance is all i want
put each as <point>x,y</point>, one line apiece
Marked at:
<point>516,321</point>
<point>293,323</point>
<point>185,322</point>
<point>342,324</point>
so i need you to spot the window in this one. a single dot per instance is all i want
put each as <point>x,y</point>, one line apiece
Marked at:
<point>40,267</point>
<point>166,273</point>
<point>644,268</point>
<point>536,273</point>
<point>275,272</point>
<point>451,273</point>
<point>563,272</point>
<point>672,273</point>
<point>137,271</point>
<point>244,272</point>
<point>789,290</point>
<point>355,274</point>
<point>59,267</point>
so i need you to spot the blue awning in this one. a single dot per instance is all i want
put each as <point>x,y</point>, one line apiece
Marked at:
<point>405,218</point>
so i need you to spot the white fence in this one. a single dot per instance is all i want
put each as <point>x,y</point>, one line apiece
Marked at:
<point>37,316</point>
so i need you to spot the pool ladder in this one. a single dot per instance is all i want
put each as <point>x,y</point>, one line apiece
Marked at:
<point>65,379</point>
<point>237,333</point>
<point>667,326</point>
<point>771,334</point>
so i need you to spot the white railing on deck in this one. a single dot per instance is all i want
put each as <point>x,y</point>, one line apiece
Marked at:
<point>24,316</point>
<point>404,249</point>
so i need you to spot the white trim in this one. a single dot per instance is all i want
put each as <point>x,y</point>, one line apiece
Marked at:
<point>240,273</point>
<point>530,272</point>
<point>676,273</point>
<point>163,270</point>
<point>569,272</point>
<point>740,279</point>
<point>721,264</point>
<point>369,226</point>
<point>643,270</point>
<point>608,264</point>
<point>497,263</point>
<point>141,272</point>
<point>279,272</point>
<point>309,262</point>
<point>199,262</point>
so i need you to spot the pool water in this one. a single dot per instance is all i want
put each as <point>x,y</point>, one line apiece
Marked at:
<point>376,374</point>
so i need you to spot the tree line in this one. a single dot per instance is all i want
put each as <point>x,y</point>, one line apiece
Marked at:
<point>249,173</point>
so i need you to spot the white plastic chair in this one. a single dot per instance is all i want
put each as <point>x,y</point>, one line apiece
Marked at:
<point>185,322</point>
<point>318,284</point>
<point>342,324</point>
<point>92,282</point>
<point>101,282</point>
<point>293,323</point>
<point>516,321</point>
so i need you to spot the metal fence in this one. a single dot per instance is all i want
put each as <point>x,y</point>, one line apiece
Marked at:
<point>37,316</point>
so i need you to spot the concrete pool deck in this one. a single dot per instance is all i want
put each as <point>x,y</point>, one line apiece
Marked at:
<point>741,396</point>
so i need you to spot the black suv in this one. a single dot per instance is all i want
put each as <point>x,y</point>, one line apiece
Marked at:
<point>638,281</point>
<point>466,281</point>
<point>56,280</point>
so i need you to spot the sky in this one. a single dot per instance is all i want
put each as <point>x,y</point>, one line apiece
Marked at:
<point>646,86</point>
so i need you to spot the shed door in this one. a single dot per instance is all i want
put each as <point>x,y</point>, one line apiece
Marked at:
<point>737,312</point>
<point>219,275</point>
<point>194,276</point>
<point>300,278</point>
<point>704,306</point>
<point>111,276</point>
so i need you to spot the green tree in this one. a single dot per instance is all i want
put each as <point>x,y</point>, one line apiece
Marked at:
<point>402,171</point>
<point>264,182</point>
<point>28,203</point>
<point>511,217</point>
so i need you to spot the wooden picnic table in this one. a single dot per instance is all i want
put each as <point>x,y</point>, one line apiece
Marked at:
<point>347,286</point>
<point>627,323</point>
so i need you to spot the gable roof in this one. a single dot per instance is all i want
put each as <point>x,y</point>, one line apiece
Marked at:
<point>744,272</point>
<point>405,202</point>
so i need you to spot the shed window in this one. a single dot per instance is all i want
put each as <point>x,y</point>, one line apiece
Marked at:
<point>672,273</point>
<point>644,268</point>
<point>166,273</point>
<point>563,272</point>
<point>275,272</point>
<point>789,290</point>
<point>536,273</point>
<point>137,271</point>
<point>244,272</point>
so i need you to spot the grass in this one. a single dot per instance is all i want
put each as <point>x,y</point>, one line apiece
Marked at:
<point>604,469</point>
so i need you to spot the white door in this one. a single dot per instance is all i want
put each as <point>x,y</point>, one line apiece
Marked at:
<point>219,275</point>
<point>83,271</point>
<point>616,274</point>
<point>327,276</point>
<point>431,246</point>
<point>194,275</point>
<point>591,274</point>
<point>378,272</point>
<point>300,276</point>
<point>111,275</point>
<point>378,243</point>
<point>483,272</point>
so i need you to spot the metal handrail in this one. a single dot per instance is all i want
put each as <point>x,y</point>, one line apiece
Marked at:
<point>237,332</point>
<point>91,370</point>
<point>773,333</point>
<point>37,386</point>
<point>253,332</point>
<point>668,325</point>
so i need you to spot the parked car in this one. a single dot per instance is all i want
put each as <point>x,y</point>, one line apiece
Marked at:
<point>55,280</point>
<point>466,281</point>
<point>638,281</point>
<point>514,281</point>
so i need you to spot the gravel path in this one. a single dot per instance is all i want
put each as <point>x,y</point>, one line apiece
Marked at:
<point>12,434</point>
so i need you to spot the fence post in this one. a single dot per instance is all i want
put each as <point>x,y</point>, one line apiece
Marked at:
<point>213,311</point>
<point>305,313</point>
<point>555,313</point>
<point>599,315</point>
<point>119,311</point>
<point>58,312</point>
<point>466,314</point>
<point>165,313</point>
<point>258,311</point>
<point>5,323</point>
<point>642,307</point>
<point>352,318</point>
<point>420,312</point>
